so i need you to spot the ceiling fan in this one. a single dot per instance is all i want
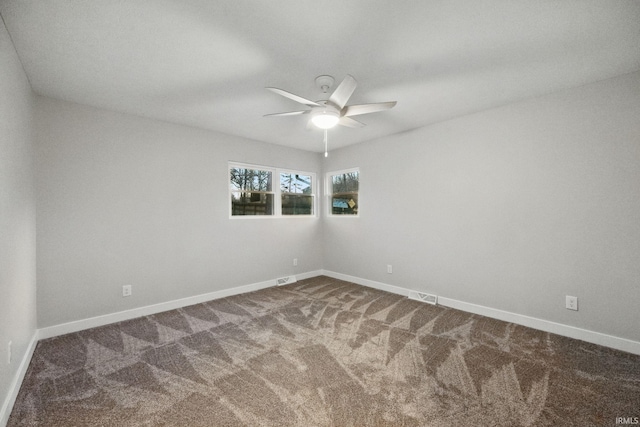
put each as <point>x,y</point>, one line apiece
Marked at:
<point>326,114</point>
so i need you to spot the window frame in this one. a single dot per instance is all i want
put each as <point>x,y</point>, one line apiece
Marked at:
<point>328,185</point>
<point>275,190</point>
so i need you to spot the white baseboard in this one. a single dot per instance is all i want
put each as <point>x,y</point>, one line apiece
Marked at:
<point>369,283</point>
<point>14,387</point>
<point>93,322</point>
<point>593,337</point>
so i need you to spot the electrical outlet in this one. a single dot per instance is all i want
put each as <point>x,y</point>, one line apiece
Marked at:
<point>9,353</point>
<point>571,303</point>
<point>295,262</point>
<point>389,269</point>
<point>126,291</point>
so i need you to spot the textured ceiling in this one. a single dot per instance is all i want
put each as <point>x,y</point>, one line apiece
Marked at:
<point>206,63</point>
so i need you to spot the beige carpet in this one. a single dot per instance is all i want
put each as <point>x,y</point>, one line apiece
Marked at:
<point>324,352</point>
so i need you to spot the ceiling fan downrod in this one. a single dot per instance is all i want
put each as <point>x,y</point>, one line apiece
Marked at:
<point>326,152</point>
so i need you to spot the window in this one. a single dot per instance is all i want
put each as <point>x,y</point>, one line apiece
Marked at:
<point>296,194</point>
<point>251,191</point>
<point>254,194</point>
<point>343,192</point>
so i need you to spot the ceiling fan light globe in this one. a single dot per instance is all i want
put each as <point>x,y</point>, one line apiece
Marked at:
<point>325,120</point>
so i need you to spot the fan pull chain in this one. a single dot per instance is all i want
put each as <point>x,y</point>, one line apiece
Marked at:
<point>326,153</point>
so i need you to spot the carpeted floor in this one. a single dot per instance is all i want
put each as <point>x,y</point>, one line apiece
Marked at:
<point>323,352</point>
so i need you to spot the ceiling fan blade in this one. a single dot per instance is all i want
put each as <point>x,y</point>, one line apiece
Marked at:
<point>289,113</point>
<point>293,97</point>
<point>355,110</point>
<point>351,123</point>
<point>343,92</point>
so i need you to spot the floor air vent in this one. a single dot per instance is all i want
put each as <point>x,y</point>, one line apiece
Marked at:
<point>286,280</point>
<point>421,296</point>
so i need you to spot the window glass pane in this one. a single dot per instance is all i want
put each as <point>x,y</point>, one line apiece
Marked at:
<point>344,204</point>
<point>295,183</point>
<point>297,204</point>
<point>251,203</point>
<point>250,179</point>
<point>345,182</point>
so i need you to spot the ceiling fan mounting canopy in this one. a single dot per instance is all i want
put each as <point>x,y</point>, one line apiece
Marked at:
<point>324,83</point>
<point>334,111</point>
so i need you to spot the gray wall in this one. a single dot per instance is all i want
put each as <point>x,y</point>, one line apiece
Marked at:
<point>17,214</point>
<point>128,200</point>
<point>511,208</point>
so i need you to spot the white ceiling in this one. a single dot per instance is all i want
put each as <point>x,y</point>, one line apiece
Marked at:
<point>206,63</point>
